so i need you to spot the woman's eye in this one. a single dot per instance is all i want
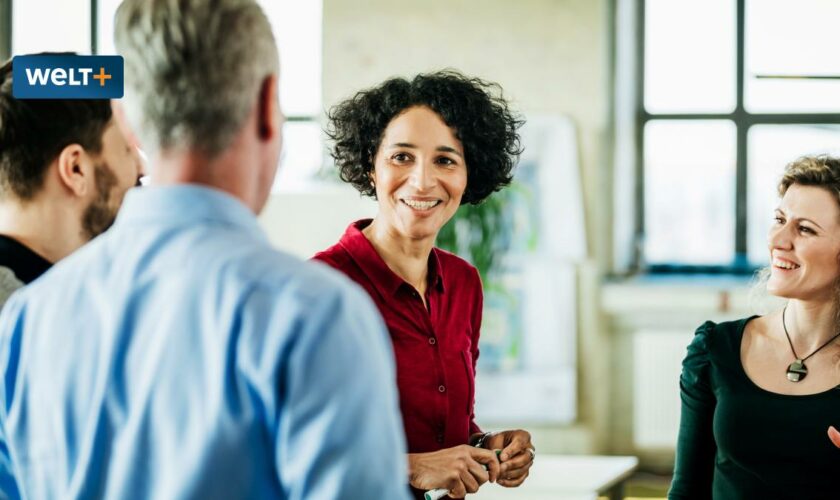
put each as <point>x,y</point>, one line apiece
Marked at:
<point>779,220</point>
<point>400,157</point>
<point>443,160</point>
<point>806,230</point>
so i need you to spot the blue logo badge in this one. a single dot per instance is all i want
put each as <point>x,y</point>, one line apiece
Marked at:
<point>67,77</point>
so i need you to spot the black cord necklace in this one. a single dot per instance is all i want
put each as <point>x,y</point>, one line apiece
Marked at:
<point>797,370</point>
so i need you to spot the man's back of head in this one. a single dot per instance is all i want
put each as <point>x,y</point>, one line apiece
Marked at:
<point>180,355</point>
<point>64,168</point>
<point>201,92</point>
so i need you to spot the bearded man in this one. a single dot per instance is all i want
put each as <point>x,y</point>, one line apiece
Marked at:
<point>65,166</point>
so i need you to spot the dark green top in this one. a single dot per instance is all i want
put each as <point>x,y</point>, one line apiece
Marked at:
<point>740,441</point>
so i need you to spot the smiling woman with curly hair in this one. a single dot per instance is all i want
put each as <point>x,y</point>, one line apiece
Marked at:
<point>423,147</point>
<point>480,120</point>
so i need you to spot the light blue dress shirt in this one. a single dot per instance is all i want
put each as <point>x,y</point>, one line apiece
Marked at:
<point>179,356</point>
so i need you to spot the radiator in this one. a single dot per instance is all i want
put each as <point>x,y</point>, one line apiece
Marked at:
<point>657,361</point>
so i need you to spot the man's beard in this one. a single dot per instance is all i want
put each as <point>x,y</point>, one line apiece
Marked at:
<point>99,215</point>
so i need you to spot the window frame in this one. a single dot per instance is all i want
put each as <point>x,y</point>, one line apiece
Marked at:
<point>6,43</point>
<point>94,27</point>
<point>6,37</point>
<point>5,29</point>
<point>743,121</point>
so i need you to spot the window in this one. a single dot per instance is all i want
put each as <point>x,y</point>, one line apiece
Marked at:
<point>729,92</point>
<point>32,31</point>
<point>297,29</point>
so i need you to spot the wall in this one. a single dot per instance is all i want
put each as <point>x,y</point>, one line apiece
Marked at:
<point>304,223</point>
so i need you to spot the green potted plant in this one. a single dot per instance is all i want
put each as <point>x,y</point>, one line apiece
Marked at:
<point>482,234</point>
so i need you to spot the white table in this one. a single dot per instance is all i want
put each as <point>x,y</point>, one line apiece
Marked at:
<point>567,477</point>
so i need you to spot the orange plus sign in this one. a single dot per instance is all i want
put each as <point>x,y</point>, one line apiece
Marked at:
<point>102,76</point>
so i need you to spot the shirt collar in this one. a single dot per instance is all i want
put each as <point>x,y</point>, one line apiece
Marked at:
<point>26,264</point>
<point>185,204</point>
<point>384,279</point>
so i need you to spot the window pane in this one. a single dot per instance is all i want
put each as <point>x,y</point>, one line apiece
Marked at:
<point>105,12</point>
<point>770,148</point>
<point>297,28</point>
<point>50,26</point>
<point>690,56</point>
<point>302,157</point>
<point>787,40</point>
<point>690,192</point>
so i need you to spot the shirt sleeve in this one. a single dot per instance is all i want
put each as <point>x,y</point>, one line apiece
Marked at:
<point>9,488</point>
<point>8,484</point>
<point>338,432</point>
<point>476,327</point>
<point>696,448</point>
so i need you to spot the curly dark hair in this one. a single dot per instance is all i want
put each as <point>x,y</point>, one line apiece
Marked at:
<point>475,109</point>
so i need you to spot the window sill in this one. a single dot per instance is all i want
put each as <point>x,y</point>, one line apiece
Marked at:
<point>676,294</point>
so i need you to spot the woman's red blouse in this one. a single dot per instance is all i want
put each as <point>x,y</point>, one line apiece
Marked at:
<point>435,349</point>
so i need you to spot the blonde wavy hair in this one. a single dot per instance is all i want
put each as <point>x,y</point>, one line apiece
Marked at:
<point>821,171</point>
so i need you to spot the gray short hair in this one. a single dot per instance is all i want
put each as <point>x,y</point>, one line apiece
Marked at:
<point>193,69</point>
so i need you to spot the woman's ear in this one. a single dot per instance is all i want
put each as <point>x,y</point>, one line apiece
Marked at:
<point>74,170</point>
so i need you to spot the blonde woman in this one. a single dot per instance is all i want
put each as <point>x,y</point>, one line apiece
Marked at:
<point>760,395</point>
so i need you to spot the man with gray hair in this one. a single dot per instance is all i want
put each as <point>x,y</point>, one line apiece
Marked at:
<point>179,355</point>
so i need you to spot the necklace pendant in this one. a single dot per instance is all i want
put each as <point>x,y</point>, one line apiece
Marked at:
<point>797,371</point>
